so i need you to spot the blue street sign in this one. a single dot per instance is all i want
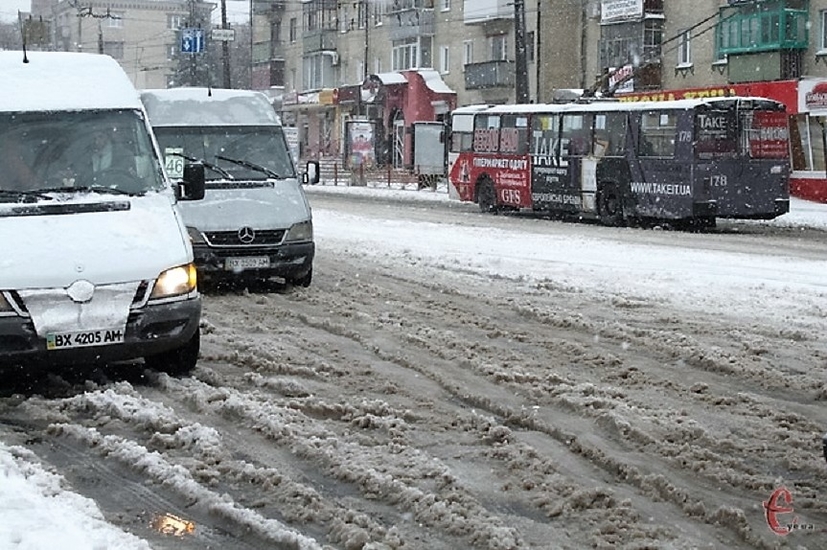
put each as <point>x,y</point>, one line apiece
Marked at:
<point>192,40</point>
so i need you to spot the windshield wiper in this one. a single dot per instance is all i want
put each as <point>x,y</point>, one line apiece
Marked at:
<point>24,196</point>
<point>213,167</point>
<point>87,189</point>
<point>252,166</point>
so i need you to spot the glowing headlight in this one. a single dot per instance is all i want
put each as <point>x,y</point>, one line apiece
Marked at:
<point>195,236</point>
<point>302,231</point>
<point>175,282</point>
<point>5,306</point>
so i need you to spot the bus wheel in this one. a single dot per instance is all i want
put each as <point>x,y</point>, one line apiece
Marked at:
<point>610,207</point>
<point>486,197</point>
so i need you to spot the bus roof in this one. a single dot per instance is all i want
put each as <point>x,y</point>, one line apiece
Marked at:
<point>622,106</point>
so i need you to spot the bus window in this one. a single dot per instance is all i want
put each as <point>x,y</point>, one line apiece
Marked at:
<point>462,133</point>
<point>715,134</point>
<point>765,134</point>
<point>514,134</point>
<point>575,138</point>
<point>487,133</point>
<point>544,137</point>
<point>657,134</point>
<point>610,134</point>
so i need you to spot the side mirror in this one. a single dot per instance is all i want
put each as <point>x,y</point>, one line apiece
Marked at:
<point>192,185</point>
<point>312,174</point>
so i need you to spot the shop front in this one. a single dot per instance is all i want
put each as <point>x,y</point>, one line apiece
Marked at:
<point>314,114</point>
<point>806,102</point>
<point>378,115</point>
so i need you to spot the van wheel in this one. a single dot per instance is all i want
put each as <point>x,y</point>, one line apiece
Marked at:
<point>304,281</point>
<point>486,197</point>
<point>179,361</point>
<point>610,207</point>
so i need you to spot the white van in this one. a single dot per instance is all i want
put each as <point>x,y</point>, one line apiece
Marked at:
<point>255,221</point>
<point>96,264</point>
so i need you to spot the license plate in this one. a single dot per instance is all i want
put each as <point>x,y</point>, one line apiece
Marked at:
<point>84,339</point>
<point>246,262</point>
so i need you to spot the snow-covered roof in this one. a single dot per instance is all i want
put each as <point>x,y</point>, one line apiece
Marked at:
<point>208,107</point>
<point>434,82</point>
<point>391,78</point>
<point>57,81</point>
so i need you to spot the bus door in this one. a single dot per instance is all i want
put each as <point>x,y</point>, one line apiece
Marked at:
<point>551,182</point>
<point>576,153</point>
<point>661,166</point>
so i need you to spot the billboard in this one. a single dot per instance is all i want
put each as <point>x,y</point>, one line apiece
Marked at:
<point>620,10</point>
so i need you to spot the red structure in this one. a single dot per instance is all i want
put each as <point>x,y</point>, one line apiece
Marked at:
<point>394,102</point>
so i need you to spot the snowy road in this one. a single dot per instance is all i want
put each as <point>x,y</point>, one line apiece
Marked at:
<point>453,380</point>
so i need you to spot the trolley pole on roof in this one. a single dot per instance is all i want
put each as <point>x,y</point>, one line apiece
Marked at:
<point>521,76</point>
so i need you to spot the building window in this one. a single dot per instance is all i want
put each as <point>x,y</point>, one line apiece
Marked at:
<point>499,47</point>
<point>822,43</point>
<point>684,50</point>
<point>175,21</point>
<point>379,11</point>
<point>411,53</point>
<point>114,21</point>
<point>467,52</point>
<point>446,5</point>
<point>362,15</point>
<point>529,46</point>
<point>113,49</point>
<point>293,29</point>
<point>652,39</point>
<point>318,72</point>
<point>444,59</point>
<point>404,54</point>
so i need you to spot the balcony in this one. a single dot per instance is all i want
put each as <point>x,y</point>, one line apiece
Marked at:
<point>410,23</point>
<point>319,40</point>
<point>477,12</point>
<point>490,74</point>
<point>752,27</point>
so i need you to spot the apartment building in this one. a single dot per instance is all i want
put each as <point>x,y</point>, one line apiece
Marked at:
<point>142,35</point>
<point>390,63</point>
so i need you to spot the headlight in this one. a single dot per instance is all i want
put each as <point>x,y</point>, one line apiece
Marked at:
<point>195,236</point>
<point>302,231</point>
<point>175,282</point>
<point>5,306</point>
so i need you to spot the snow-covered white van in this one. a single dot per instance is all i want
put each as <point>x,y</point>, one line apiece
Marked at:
<point>95,261</point>
<point>255,221</point>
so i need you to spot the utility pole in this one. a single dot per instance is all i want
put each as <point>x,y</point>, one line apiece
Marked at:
<point>521,78</point>
<point>86,11</point>
<point>225,48</point>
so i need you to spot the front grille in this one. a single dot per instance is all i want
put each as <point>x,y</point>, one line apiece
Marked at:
<point>263,237</point>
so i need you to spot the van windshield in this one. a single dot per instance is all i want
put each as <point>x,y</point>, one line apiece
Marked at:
<point>101,151</point>
<point>229,148</point>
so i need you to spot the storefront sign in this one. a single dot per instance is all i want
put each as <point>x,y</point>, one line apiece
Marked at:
<point>618,10</point>
<point>815,95</point>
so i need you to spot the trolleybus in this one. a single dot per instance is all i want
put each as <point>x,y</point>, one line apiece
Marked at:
<point>685,161</point>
